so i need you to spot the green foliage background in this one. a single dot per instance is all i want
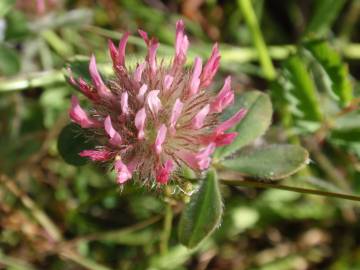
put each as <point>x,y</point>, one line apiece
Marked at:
<point>304,54</point>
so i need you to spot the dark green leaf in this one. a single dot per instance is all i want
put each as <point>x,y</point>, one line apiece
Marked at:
<point>9,61</point>
<point>79,68</point>
<point>325,12</point>
<point>254,124</point>
<point>335,69</point>
<point>271,162</point>
<point>203,213</point>
<point>300,92</point>
<point>71,142</point>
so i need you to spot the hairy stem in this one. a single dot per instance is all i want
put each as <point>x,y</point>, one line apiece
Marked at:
<point>165,236</point>
<point>257,184</point>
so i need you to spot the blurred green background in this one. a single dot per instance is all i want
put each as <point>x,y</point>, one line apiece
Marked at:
<point>57,216</point>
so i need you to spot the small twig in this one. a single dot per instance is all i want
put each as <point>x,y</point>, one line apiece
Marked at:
<point>257,184</point>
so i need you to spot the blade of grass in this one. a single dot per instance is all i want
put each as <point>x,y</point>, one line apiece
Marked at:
<point>252,22</point>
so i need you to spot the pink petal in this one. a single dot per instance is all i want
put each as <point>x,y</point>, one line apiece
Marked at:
<point>163,172</point>
<point>86,89</point>
<point>181,43</point>
<point>79,116</point>
<point>236,118</point>
<point>211,67</point>
<point>198,120</point>
<point>138,72</point>
<point>140,118</point>
<point>97,81</point>
<point>124,103</point>
<point>144,36</point>
<point>200,160</point>
<point>203,157</point>
<point>153,46</point>
<point>168,80</point>
<point>123,173</point>
<point>122,47</point>
<point>175,113</point>
<point>133,164</point>
<point>225,139</point>
<point>82,86</point>
<point>141,95</point>
<point>224,98</point>
<point>97,155</point>
<point>219,139</point>
<point>154,102</point>
<point>195,78</point>
<point>115,138</point>
<point>160,138</point>
<point>114,54</point>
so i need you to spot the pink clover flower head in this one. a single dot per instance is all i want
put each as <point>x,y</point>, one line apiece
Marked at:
<point>153,119</point>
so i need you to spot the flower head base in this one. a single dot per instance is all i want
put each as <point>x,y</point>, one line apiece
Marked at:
<point>153,120</point>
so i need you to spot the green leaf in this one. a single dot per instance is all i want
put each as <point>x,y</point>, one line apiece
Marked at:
<point>9,61</point>
<point>71,142</point>
<point>256,121</point>
<point>346,132</point>
<point>173,259</point>
<point>16,25</point>
<point>79,68</point>
<point>325,13</point>
<point>270,162</point>
<point>203,213</point>
<point>301,92</point>
<point>54,101</point>
<point>334,68</point>
<point>5,6</point>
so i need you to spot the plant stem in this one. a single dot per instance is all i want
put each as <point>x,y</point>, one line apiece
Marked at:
<point>256,184</point>
<point>165,236</point>
<point>252,22</point>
